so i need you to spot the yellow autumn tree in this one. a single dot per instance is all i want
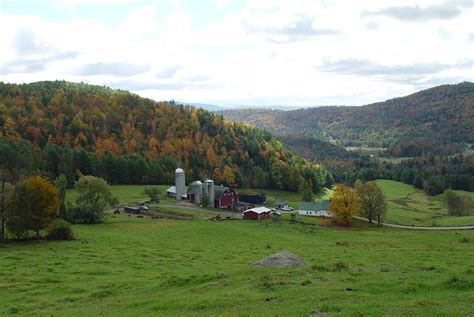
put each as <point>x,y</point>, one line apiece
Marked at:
<point>344,204</point>
<point>228,176</point>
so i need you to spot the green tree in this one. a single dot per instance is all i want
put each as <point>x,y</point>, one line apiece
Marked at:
<point>371,200</point>
<point>32,205</point>
<point>94,196</point>
<point>458,205</point>
<point>308,191</point>
<point>61,185</point>
<point>153,193</point>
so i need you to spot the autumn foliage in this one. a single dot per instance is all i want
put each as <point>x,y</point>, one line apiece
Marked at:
<point>344,204</point>
<point>79,129</point>
<point>32,206</point>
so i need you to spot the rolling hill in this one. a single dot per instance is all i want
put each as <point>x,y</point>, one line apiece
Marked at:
<point>444,113</point>
<point>61,127</point>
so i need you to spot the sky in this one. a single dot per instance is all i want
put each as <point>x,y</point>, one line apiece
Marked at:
<point>243,52</point>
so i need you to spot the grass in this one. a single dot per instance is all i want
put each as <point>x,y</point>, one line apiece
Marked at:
<point>140,267</point>
<point>410,206</point>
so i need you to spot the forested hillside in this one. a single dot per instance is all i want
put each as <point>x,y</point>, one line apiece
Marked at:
<point>444,113</point>
<point>75,129</point>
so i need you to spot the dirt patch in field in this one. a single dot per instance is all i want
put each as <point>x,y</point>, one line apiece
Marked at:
<point>281,259</point>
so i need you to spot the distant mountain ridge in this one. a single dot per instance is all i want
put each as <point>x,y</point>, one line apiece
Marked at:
<point>443,112</point>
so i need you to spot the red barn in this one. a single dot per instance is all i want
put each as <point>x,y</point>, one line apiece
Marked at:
<point>224,197</point>
<point>257,213</point>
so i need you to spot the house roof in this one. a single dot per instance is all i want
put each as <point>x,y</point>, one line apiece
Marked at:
<point>321,205</point>
<point>172,190</point>
<point>258,210</point>
<point>281,202</point>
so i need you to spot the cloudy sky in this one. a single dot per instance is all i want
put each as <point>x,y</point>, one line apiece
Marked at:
<point>243,52</point>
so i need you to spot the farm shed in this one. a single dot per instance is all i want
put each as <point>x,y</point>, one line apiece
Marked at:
<point>171,191</point>
<point>320,209</point>
<point>132,210</point>
<point>257,213</point>
<point>252,198</point>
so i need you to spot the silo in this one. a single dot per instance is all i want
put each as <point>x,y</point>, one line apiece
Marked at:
<point>179,183</point>
<point>198,193</point>
<point>210,192</point>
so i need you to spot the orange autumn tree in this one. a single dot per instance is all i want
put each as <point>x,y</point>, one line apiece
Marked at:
<point>344,204</point>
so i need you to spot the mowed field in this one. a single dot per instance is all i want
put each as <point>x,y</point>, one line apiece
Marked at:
<point>141,267</point>
<point>410,206</point>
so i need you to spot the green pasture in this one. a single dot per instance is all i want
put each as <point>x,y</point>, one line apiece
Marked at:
<point>131,266</point>
<point>410,206</point>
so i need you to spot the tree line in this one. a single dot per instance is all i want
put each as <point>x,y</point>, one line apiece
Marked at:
<point>432,174</point>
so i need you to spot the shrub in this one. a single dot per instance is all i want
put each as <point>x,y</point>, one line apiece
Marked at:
<point>60,230</point>
<point>339,266</point>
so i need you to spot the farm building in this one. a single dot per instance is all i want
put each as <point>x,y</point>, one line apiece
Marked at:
<point>132,210</point>
<point>171,191</point>
<point>195,193</point>
<point>180,184</point>
<point>256,213</point>
<point>252,198</point>
<point>225,197</point>
<point>281,204</point>
<point>320,209</point>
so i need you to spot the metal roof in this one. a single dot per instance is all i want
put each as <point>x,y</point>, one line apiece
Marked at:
<point>258,210</point>
<point>321,205</point>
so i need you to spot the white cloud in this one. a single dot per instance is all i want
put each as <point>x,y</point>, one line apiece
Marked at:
<point>269,52</point>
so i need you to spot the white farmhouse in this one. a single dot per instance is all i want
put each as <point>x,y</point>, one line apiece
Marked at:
<point>320,209</point>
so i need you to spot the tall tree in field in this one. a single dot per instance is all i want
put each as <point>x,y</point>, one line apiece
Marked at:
<point>61,184</point>
<point>94,197</point>
<point>43,200</point>
<point>344,204</point>
<point>32,205</point>
<point>371,200</point>
<point>8,171</point>
<point>457,205</point>
<point>307,191</point>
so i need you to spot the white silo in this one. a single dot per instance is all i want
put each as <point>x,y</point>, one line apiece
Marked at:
<point>198,193</point>
<point>180,183</point>
<point>210,192</point>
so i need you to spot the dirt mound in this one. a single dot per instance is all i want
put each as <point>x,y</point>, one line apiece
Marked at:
<point>280,259</point>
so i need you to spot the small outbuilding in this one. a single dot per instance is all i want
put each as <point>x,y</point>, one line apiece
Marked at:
<point>281,204</point>
<point>171,192</point>
<point>256,213</point>
<point>132,210</point>
<point>320,209</point>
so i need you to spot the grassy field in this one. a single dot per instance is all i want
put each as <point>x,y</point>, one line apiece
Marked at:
<point>141,267</point>
<point>410,206</point>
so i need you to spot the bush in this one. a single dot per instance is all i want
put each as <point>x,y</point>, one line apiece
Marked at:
<point>60,230</point>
